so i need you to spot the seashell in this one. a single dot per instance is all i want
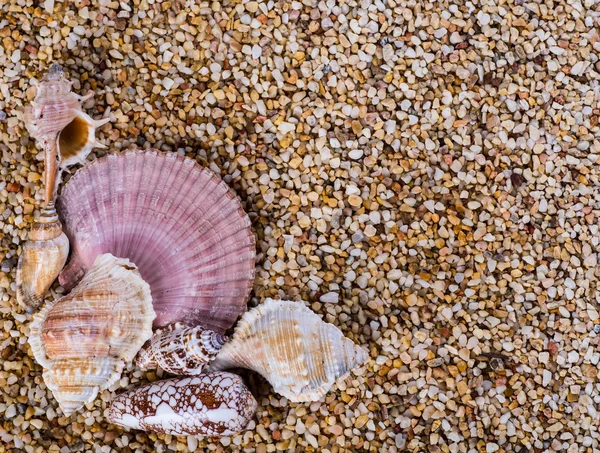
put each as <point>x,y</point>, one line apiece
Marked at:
<point>182,350</point>
<point>42,258</point>
<point>56,120</point>
<point>84,339</point>
<point>182,226</point>
<point>217,404</point>
<point>293,348</point>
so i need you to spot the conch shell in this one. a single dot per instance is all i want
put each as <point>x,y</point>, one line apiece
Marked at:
<point>217,404</point>
<point>179,349</point>
<point>293,348</point>
<point>180,223</point>
<point>42,258</point>
<point>84,339</point>
<point>56,120</point>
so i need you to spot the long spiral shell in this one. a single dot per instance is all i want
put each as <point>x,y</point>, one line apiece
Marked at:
<point>43,257</point>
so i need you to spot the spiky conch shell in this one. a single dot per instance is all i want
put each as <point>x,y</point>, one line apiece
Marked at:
<point>179,349</point>
<point>57,121</point>
<point>43,257</point>
<point>85,339</point>
<point>217,404</point>
<point>291,347</point>
<point>180,223</point>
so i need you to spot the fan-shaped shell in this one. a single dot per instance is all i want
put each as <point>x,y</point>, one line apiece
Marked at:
<point>293,348</point>
<point>217,404</point>
<point>55,118</point>
<point>84,340</point>
<point>178,222</point>
<point>179,349</point>
<point>42,258</point>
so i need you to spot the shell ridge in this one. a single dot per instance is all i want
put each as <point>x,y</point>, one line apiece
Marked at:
<point>84,339</point>
<point>299,353</point>
<point>228,260</point>
<point>148,189</point>
<point>166,172</point>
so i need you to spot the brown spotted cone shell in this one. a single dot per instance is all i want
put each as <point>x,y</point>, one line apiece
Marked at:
<point>217,404</point>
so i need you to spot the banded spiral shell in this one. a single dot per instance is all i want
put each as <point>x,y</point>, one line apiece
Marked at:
<point>84,339</point>
<point>291,347</point>
<point>217,404</point>
<point>178,222</point>
<point>181,350</point>
<point>56,120</point>
<point>43,257</point>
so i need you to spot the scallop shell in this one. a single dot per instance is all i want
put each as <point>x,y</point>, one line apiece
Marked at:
<point>217,404</point>
<point>42,258</point>
<point>182,350</point>
<point>56,120</point>
<point>293,348</point>
<point>84,340</point>
<point>182,226</point>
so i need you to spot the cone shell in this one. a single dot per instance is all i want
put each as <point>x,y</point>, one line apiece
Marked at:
<point>180,224</point>
<point>293,348</point>
<point>217,404</point>
<point>181,350</point>
<point>43,257</point>
<point>84,340</point>
<point>55,118</point>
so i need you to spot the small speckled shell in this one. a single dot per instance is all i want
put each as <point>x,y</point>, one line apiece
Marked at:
<point>43,257</point>
<point>182,350</point>
<point>217,404</point>
<point>84,339</point>
<point>293,348</point>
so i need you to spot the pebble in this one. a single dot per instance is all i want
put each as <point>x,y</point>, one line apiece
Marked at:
<point>330,297</point>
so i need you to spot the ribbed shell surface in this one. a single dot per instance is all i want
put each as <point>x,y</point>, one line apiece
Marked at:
<point>84,339</point>
<point>178,222</point>
<point>54,106</point>
<point>292,347</point>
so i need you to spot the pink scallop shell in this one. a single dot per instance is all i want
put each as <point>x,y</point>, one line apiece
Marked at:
<point>178,222</point>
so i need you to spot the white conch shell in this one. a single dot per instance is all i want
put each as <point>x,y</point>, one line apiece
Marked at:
<point>56,120</point>
<point>217,404</point>
<point>43,257</point>
<point>293,348</point>
<point>179,349</point>
<point>84,340</point>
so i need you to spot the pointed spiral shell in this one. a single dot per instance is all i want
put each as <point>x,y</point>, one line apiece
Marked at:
<point>181,350</point>
<point>43,257</point>
<point>291,347</point>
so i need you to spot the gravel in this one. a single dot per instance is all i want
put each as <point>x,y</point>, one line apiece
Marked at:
<point>424,174</point>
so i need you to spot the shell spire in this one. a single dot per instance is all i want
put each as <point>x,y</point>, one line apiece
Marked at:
<point>293,348</point>
<point>84,339</point>
<point>57,121</point>
<point>43,257</point>
<point>181,350</point>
